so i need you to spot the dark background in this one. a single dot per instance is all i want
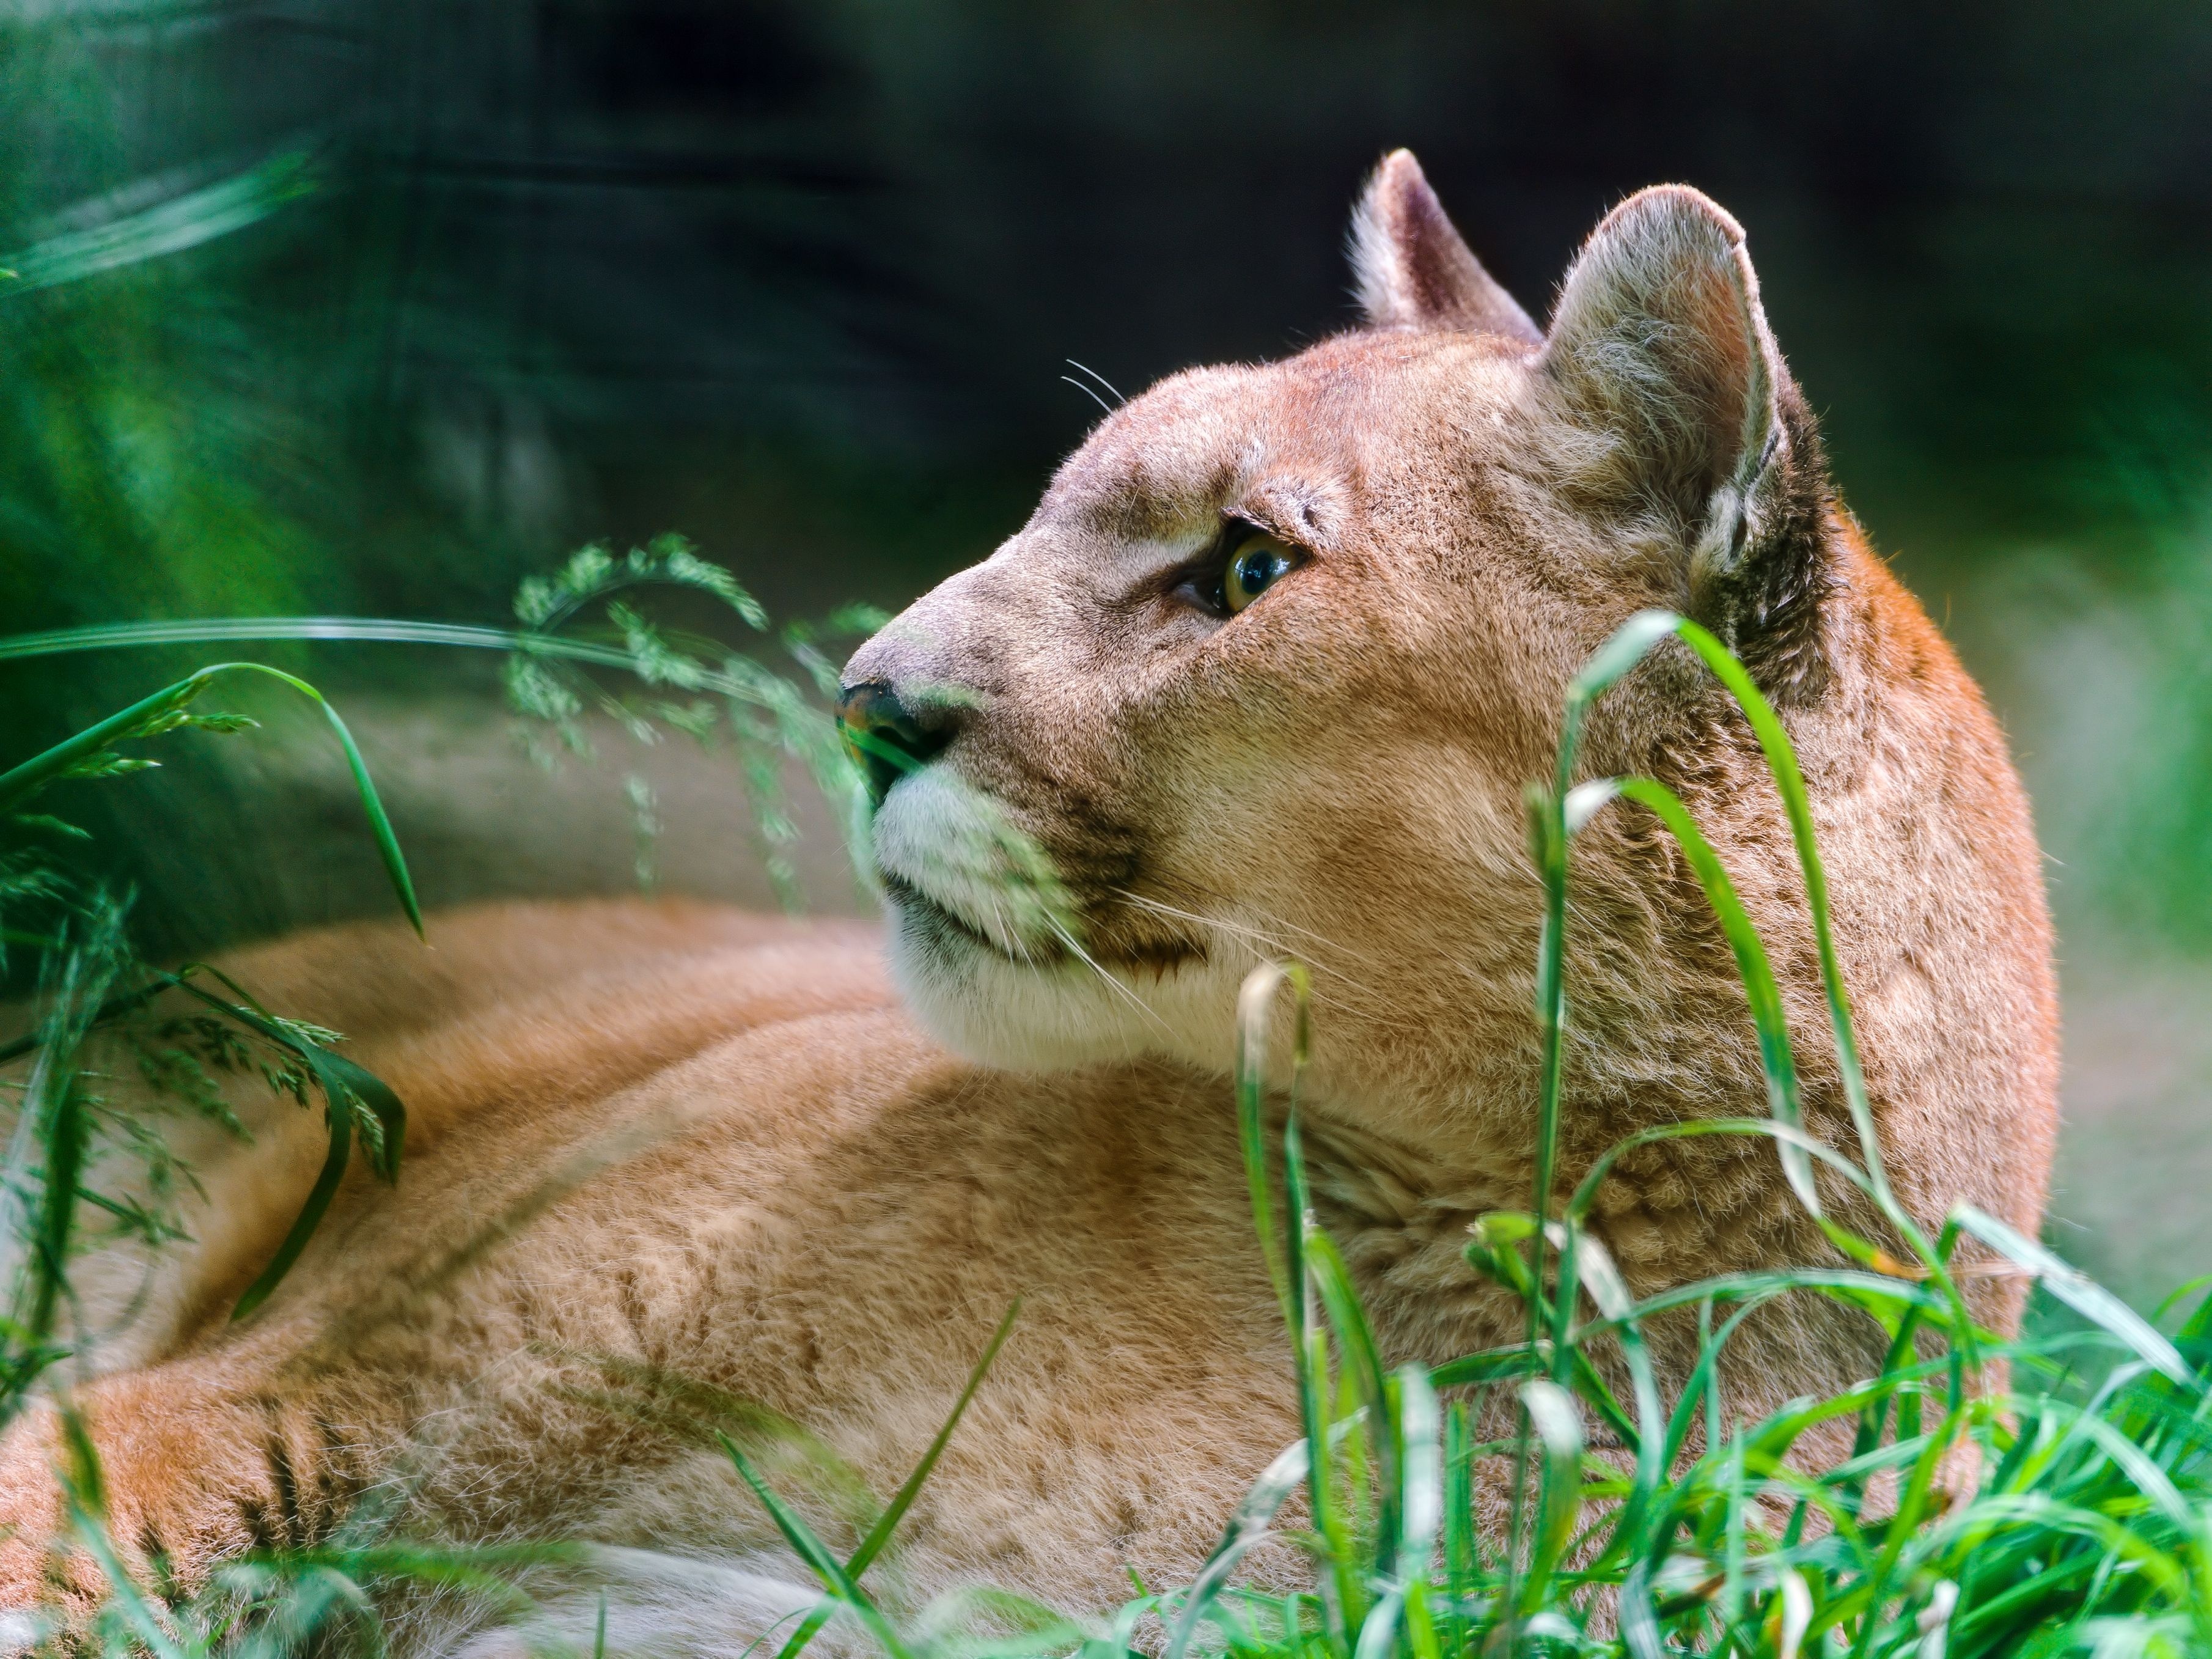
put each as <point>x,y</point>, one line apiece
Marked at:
<point>801,280</point>
<point>601,268</point>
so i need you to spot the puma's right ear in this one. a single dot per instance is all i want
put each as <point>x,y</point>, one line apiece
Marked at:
<point>1412,268</point>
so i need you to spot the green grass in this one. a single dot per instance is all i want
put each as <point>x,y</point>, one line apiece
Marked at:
<point>2090,1530</point>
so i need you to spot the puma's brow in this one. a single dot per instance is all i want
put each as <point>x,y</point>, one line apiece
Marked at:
<point>1272,518</point>
<point>1208,541</point>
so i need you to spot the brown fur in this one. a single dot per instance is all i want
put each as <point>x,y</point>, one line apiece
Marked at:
<point>721,1145</point>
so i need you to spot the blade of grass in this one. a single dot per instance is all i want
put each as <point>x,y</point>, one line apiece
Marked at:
<point>810,1550</point>
<point>63,1135</point>
<point>125,1590</point>
<point>1782,761</point>
<point>340,1108</point>
<point>358,631</point>
<point>1610,1292</point>
<point>1902,1527</point>
<point>1753,968</point>
<point>21,782</point>
<point>347,1088</point>
<point>1345,1606</point>
<point>2082,1293</point>
<point>1255,1002</point>
<point>1355,1342</point>
<point>171,227</point>
<point>1420,1509</point>
<point>1559,1428</point>
<point>1245,1528</point>
<point>902,1500</point>
<point>1463,1558</point>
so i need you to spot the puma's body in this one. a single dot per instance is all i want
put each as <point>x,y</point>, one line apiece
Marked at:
<point>709,1143</point>
<point>1265,675</point>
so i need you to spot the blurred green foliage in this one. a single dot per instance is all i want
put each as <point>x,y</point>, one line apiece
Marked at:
<point>341,307</point>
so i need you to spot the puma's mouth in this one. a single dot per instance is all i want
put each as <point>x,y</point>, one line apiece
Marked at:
<point>964,879</point>
<point>945,926</point>
<point>1153,952</point>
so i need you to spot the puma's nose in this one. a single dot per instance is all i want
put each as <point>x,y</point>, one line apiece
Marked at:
<point>889,736</point>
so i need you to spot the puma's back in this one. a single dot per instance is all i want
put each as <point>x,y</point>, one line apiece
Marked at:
<point>1264,676</point>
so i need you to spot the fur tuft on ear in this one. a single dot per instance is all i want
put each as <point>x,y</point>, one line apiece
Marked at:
<point>1412,269</point>
<point>1660,355</point>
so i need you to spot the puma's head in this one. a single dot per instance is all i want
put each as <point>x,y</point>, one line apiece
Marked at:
<point>1268,670</point>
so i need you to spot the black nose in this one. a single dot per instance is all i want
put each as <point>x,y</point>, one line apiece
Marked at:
<point>887,736</point>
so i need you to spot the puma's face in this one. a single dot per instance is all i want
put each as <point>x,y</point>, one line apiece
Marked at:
<point>1265,647</point>
<point>1268,671</point>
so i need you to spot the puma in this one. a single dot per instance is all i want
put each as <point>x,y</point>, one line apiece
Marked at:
<point>1263,677</point>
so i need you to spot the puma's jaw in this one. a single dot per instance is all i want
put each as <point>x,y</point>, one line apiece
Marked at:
<point>987,946</point>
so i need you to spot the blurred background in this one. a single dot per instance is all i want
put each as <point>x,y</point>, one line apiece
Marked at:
<point>335,307</point>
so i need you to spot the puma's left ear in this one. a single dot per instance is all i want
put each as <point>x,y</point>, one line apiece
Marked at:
<point>1412,270</point>
<point>1660,355</point>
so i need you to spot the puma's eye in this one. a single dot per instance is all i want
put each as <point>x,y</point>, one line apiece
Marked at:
<point>1255,564</point>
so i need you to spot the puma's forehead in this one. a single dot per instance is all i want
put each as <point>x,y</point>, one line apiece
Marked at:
<point>1292,444</point>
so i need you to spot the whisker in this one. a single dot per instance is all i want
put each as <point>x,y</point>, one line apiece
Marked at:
<point>1134,1000</point>
<point>1253,934</point>
<point>1010,936</point>
<point>1097,376</point>
<point>1321,939</point>
<point>1288,926</point>
<point>1373,1008</point>
<point>1161,908</point>
<point>1088,392</point>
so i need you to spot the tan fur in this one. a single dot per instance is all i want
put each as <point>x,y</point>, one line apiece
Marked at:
<point>720,1144</point>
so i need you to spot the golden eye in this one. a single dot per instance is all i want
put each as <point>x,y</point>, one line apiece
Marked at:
<point>1257,563</point>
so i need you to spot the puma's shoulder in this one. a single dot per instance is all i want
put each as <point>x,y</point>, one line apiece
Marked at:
<point>506,1028</point>
<point>374,979</point>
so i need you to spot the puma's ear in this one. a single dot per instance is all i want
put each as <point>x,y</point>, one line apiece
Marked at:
<point>1661,355</point>
<point>1412,270</point>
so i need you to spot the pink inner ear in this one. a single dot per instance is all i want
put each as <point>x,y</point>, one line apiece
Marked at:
<point>1714,308</point>
<point>1413,269</point>
<point>1427,241</point>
